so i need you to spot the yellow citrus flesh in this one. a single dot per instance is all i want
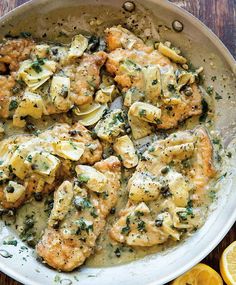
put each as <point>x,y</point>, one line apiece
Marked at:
<point>201,274</point>
<point>228,264</point>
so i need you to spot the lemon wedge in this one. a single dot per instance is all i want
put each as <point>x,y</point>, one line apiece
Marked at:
<point>228,264</point>
<point>201,274</point>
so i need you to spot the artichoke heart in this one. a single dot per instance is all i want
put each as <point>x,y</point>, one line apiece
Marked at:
<point>130,67</point>
<point>42,162</point>
<point>78,46</point>
<point>171,54</point>
<point>13,191</point>
<point>152,77</point>
<point>170,94</point>
<point>36,73</point>
<point>111,126</point>
<point>106,94</point>
<point>143,188</point>
<point>145,112</point>
<point>60,93</point>
<point>91,178</point>
<point>93,117</point>
<point>69,149</point>
<point>185,78</point>
<point>42,50</point>
<point>30,105</point>
<point>86,109</point>
<point>62,202</point>
<point>139,128</point>
<point>124,147</point>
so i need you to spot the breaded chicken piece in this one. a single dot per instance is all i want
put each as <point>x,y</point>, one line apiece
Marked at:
<point>78,217</point>
<point>140,69</point>
<point>12,52</point>
<point>171,173</point>
<point>7,84</point>
<point>85,77</point>
<point>118,37</point>
<point>78,133</point>
<point>190,106</point>
<point>35,182</point>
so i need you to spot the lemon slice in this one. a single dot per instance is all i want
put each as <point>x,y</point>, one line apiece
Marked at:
<point>201,274</point>
<point>228,264</point>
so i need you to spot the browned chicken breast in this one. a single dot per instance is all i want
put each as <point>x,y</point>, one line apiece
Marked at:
<point>153,76</point>
<point>79,213</point>
<point>85,78</point>
<point>44,79</point>
<point>12,52</point>
<point>171,178</point>
<point>38,164</point>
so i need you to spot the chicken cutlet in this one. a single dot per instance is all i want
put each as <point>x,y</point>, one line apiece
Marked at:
<point>154,76</point>
<point>169,183</point>
<point>38,164</point>
<point>79,214</point>
<point>43,79</point>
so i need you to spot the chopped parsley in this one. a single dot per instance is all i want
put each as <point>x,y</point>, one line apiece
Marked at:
<point>171,87</point>
<point>82,179</point>
<point>83,225</point>
<point>210,90</point>
<point>141,226</point>
<point>125,230</point>
<point>81,203</point>
<point>10,242</point>
<point>218,96</point>
<point>13,105</point>
<point>36,65</point>
<point>189,208</point>
<point>183,215</point>
<point>142,113</point>
<point>205,109</point>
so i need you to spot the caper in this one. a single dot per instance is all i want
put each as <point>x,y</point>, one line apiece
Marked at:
<point>11,213</point>
<point>188,91</point>
<point>31,241</point>
<point>113,210</point>
<point>165,170</point>
<point>72,133</point>
<point>165,191</point>
<point>158,223</point>
<point>29,223</point>
<point>77,203</point>
<point>177,26</point>
<point>30,127</point>
<point>10,189</point>
<point>56,225</point>
<point>129,6</point>
<point>38,196</point>
<point>34,166</point>
<point>93,43</point>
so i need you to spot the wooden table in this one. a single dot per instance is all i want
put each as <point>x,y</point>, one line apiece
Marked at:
<point>219,15</point>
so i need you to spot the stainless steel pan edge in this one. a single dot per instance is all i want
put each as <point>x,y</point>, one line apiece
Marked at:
<point>160,268</point>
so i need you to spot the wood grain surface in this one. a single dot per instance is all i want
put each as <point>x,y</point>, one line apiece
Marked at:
<point>220,16</point>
